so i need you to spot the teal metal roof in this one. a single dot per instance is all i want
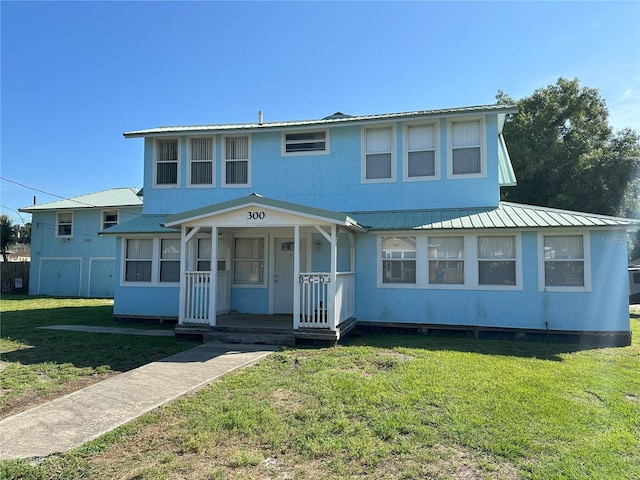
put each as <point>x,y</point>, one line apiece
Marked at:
<point>335,119</point>
<point>115,197</point>
<point>140,225</point>
<point>506,215</point>
<point>506,175</point>
<point>257,200</point>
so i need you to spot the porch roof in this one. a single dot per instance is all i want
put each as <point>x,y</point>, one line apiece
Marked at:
<point>255,199</point>
<point>506,215</point>
<point>141,224</point>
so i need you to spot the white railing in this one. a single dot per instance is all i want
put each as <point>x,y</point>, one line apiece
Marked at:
<point>314,293</point>
<point>345,296</point>
<point>223,291</point>
<point>196,298</point>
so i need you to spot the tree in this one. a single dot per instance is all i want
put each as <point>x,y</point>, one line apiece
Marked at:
<point>8,235</point>
<point>24,234</point>
<point>566,155</point>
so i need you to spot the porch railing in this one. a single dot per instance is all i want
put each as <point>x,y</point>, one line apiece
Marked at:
<point>196,305</point>
<point>345,296</point>
<point>314,299</point>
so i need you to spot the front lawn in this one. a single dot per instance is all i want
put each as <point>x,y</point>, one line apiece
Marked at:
<point>388,407</point>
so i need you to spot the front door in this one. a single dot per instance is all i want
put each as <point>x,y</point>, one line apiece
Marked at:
<point>283,276</point>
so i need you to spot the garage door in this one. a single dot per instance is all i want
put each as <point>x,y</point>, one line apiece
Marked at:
<point>60,277</point>
<point>101,277</point>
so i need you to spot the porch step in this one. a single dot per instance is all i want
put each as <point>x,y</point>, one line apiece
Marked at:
<point>249,338</point>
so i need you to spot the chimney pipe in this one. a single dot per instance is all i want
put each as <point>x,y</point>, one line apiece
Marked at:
<point>259,117</point>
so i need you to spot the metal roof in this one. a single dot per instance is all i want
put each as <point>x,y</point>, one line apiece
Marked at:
<point>506,215</point>
<point>506,175</point>
<point>141,224</point>
<point>336,119</point>
<point>115,197</point>
<point>258,200</point>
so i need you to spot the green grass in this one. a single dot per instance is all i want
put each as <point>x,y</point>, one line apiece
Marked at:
<point>37,364</point>
<point>387,407</point>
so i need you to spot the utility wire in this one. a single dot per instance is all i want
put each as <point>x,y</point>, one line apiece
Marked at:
<point>46,193</point>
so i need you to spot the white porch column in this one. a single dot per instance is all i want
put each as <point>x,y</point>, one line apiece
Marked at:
<point>296,276</point>
<point>331,310</point>
<point>213,286</point>
<point>352,252</point>
<point>183,269</point>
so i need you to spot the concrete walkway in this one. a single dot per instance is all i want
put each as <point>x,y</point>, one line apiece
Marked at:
<point>86,414</point>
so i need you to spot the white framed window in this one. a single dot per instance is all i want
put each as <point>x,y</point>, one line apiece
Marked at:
<point>203,261</point>
<point>64,224</point>
<point>201,155</point>
<point>237,161</point>
<point>312,142</point>
<point>109,218</point>
<point>166,162</point>
<point>420,152</point>
<point>170,260</point>
<point>249,261</point>
<point>466,156</point>
<point>446,260</point>
<point>378,154</point>
<point>399,260</point>
<point>564,264</point>
<point>138,260</point>
<point>497,261</point>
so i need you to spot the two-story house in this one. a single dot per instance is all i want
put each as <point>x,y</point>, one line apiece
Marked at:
<point>385,220</point>
<point>68,256</point>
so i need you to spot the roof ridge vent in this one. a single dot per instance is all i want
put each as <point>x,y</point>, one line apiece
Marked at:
<point>337,115</point>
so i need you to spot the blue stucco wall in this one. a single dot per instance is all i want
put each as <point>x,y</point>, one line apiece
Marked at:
<point>330,181</point>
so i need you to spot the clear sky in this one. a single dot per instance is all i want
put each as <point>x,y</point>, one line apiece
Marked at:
<point>76,75</point>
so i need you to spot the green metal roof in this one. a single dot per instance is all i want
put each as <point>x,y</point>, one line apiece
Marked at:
<point>139,225</point>
<point>506,215</point>
<point>336,119</point>
<point>257,200</point>
<point>115,197</point>
<point>506,175</point>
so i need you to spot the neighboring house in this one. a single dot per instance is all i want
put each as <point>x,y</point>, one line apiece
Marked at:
<point>384,220</point>
<point>68,256</point>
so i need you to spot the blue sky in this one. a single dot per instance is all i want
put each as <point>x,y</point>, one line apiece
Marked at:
<point>76,75</point>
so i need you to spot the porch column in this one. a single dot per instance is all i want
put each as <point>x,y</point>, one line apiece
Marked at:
<point>296,277</point>
<point>331,310</point>
<point>183,269</point>
<point>213,270</point>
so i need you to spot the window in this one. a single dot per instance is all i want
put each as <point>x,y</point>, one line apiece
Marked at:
<point>166,162</point>
<point>446,260</point>
<point>170,260</point>
<point>248,261</point>
<point>203,262</point>
<point>497,260</point>
<point>297,143</point>
<point>138,260</point>
<point>564,261</point>
<point>236,161</point>
<point>420,152</point>
<point>378,159</point>
<point>398,259</point>
<point>64,224</point>
<point>466,148</point>
<point>109,218</point>
<point>201,161</point>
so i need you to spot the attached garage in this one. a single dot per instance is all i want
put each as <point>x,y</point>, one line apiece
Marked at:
<point>60,277</point>
<point>101,272</point>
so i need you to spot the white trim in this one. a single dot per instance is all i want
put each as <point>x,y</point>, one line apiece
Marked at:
<point>363,153</point>
<point>154,172</point>
<point>155,260</point>
<point>58,213</point>
<point>223,162</point>
<point>283,143</point>
<point>405,151</point>
<point>483,148</point>
<point>213,162</point>
<point>586,248</point>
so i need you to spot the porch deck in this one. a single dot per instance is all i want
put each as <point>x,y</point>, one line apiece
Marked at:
<point>261,329</point>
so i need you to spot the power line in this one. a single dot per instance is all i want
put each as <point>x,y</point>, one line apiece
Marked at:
<point>46,193</point>
<point>14,210</point>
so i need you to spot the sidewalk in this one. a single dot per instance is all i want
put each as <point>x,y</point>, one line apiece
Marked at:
<point>86,414</point>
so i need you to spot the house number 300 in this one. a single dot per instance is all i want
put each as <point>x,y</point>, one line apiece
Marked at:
<point>255,215</point>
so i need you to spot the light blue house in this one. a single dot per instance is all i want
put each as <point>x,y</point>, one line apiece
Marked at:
<point>375,220</point>
<point>68,256</point>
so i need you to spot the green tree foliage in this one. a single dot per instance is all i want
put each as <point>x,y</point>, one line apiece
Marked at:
<point>24,234</point>
<point>8,235</point>
<point>566,155</point>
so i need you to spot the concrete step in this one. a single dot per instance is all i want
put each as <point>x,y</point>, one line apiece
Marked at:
<point>249,338</point>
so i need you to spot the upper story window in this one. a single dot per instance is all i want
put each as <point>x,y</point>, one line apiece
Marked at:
<point>166,162</point>
<point>446,260</point>
<point>466,151</point>
<point>64,224</point>
<point>201,156</point>
<point>301,143</point>
<point>398,259</point>
<point>565,262</point>
<point>237,161</point>
<point>420,152</point>
<point>378,154</point>
<point>109,218</point>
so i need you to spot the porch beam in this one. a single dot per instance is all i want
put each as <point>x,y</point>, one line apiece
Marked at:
<point>331,311</point>
<point>325,234</point>
<point>213,269</point>
<point>191,234</point>
<point>296,276</point>
<point>183,269</point>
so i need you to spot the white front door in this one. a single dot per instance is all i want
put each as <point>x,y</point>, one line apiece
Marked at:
<point>283,276</point>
